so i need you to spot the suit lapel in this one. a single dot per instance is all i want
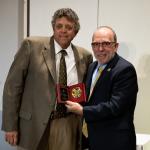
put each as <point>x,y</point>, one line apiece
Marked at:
<point>80,63</point>
<point>105,73</point>
<point>89,77</point>
<point>49,57</point>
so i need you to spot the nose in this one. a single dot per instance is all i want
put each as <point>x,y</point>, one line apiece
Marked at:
<point>63,29</point>
<point>100,47</point>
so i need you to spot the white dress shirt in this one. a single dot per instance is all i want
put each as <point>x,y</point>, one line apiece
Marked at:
<point>72,77</point>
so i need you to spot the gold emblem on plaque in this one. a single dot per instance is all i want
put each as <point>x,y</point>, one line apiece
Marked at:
<point>76,92</point>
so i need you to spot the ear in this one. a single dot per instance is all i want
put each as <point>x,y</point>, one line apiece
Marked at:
<point>116,45</point>
<point>76,32</point>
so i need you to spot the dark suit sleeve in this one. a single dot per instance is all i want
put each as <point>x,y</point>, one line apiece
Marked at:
<point>122,97</point>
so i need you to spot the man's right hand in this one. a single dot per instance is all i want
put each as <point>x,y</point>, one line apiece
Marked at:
<point>11,137</point>
<point>74,107</point>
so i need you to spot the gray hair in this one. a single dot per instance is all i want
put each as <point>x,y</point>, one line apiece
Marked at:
<point>69,14</point>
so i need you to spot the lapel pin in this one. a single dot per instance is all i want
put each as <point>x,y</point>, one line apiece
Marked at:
<point>108,69</point>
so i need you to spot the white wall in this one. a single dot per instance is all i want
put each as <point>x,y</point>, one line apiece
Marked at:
<point>8,37</point>
<point>11,34</point>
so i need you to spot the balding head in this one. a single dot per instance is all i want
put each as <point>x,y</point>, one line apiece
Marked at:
<point>106,29</point>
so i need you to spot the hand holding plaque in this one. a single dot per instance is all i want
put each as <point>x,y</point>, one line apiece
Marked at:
<point>75,93</point>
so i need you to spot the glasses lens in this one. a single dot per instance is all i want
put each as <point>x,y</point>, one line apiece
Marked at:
<point>103,44</point>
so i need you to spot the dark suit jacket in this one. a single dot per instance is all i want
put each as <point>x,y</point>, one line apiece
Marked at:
<point>29,92</point>
<point>110,110</point>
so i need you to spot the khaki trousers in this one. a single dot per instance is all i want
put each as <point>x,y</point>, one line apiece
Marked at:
<point>65,133</point>
<point>61,134</point>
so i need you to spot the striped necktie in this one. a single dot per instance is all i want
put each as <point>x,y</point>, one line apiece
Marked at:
<point>60,108</point>
<point>62,69</point>
<point>98,74</point>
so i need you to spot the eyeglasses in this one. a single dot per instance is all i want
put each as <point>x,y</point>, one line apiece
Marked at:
<point>67,27</point>
<point>103,44</point>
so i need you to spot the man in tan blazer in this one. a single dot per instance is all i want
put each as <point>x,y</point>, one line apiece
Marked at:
<point>29,95</point>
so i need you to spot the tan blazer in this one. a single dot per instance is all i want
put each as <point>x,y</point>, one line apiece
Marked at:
<point>29,91</point>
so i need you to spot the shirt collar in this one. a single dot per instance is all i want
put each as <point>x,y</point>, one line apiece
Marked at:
<point>101,65</point>
<point>58,48</point>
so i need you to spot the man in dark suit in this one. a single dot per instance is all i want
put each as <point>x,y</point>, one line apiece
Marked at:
<point>31,119</point>
<point>111,98</point>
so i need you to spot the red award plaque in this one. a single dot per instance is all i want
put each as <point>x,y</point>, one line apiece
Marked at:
<point>75,93</point>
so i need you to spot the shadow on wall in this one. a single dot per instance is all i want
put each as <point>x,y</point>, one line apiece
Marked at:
<point>142,110</point>
<point>3,144</point>
<point>142,116</point>
<point>127,51</point>
<point>123,50</point>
